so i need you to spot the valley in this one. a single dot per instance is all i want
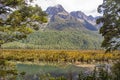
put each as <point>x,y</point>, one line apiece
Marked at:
<point>59,44</point>
<point>63,31</point>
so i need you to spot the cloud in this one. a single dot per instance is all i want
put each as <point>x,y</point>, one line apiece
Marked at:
<point>92,11</point>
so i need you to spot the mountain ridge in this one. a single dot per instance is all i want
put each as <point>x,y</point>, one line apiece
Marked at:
<point>58,15</point>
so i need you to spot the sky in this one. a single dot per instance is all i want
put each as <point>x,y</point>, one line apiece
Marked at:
<point>89,7</point>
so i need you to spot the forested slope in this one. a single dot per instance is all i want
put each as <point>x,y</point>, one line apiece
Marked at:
<point>51,39</point>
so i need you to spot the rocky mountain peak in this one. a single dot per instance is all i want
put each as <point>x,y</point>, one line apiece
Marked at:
<point>81,16</point>
<point>78,14</point>
<point>59,6</point>
<point>90,17</point>
<point>53,10</point>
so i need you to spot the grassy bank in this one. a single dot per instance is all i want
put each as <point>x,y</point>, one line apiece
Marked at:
<point>58,56</point>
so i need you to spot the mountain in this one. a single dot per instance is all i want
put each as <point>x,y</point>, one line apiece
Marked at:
<point>79,15</point>
<point>60,19</point>
<point>58,9</point>
<point>83,16</point>
<point>64,30</point>
<point>88,21</point>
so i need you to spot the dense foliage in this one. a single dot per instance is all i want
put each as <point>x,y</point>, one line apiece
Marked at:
<point>58,40</point>
<point>111,24</point>
<point>111,32</point>
<point>7,70</point>
<point>18,18</point>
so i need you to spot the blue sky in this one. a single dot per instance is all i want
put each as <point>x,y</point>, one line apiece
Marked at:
<point>89,7</point>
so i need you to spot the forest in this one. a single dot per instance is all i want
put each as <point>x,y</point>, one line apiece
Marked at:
<point>51,39</point>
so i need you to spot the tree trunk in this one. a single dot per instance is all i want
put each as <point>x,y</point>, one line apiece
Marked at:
<point>0,46</point>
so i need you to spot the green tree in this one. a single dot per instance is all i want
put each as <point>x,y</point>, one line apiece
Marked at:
<point>111,24</point>
<point>7,70</point>
<point>111,29</point>
<point>20,19</point>
<point>116,71</point>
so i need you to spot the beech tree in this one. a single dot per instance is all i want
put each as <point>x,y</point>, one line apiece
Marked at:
<point>18,18</point>
<point>111,29</point>
<point>111,24</point>
<point>7,70</point>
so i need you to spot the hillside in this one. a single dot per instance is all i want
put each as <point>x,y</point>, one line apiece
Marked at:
<point>59,40</point>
